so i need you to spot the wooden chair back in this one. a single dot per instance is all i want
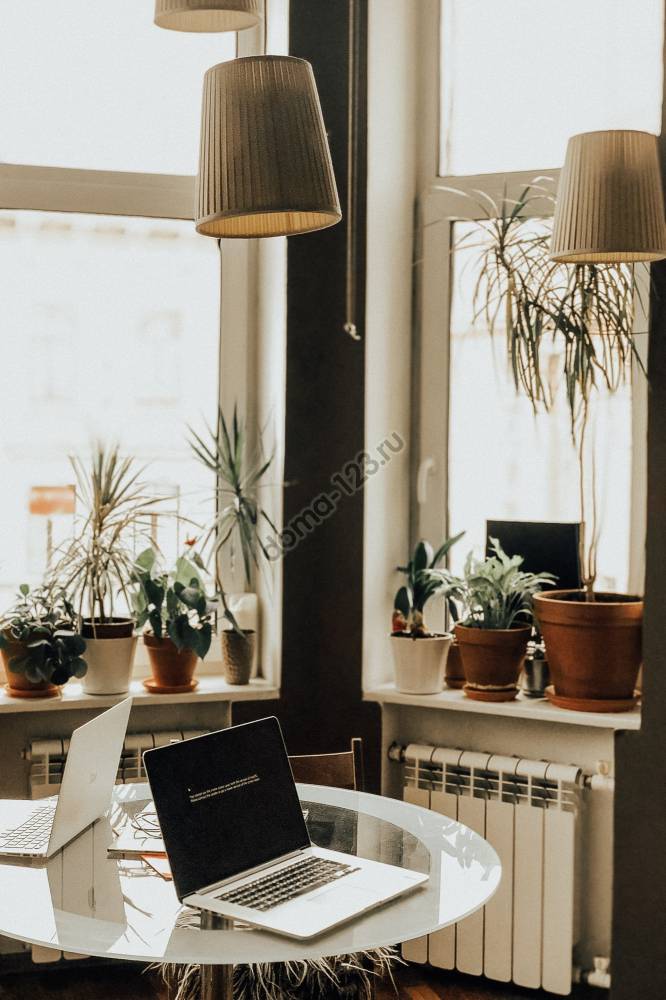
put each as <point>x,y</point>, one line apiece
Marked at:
<point>336,770</point>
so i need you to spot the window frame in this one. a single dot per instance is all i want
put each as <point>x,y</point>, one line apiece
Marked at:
<point>437,210</point>
<point>245,268</point>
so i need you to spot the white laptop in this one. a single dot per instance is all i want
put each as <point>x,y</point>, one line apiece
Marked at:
<point>237,841</point>
<point>37,829</point>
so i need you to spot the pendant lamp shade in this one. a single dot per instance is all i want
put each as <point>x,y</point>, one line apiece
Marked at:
<point>265,167</point>
<point>610,202</point>
<point>207,15</point>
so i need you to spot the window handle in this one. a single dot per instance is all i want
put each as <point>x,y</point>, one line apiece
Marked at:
<point>426,466</point>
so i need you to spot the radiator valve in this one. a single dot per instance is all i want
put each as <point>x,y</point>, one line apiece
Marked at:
<point>599,975</point>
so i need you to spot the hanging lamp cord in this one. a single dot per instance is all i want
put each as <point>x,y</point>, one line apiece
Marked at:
<point>352,195</point>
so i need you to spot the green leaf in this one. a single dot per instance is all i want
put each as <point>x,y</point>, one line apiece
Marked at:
<point>79,667</point>
<point>146,560</point>
<point>205,634</point>
<point>444,549</point>
<point>24,589</point>
<point>402,602</point>
<point>422,556</point>
<point>175,629</point>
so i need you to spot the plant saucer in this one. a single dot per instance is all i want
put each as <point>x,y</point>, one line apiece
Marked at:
<point>153,687</point>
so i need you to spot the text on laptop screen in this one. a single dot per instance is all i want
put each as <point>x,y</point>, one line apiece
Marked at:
<point>226,803</point>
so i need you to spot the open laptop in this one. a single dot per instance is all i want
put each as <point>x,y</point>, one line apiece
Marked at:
<point>30,829</point>
<point>237,841</point>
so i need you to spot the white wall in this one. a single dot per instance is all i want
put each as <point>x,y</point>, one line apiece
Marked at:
<point>393,62</point>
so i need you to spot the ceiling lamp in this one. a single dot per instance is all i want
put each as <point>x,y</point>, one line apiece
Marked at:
<point>265,167</point>
<point>610,203</point>
<point>207,15</point>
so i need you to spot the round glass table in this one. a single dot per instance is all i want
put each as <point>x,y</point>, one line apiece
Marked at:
<point>83,902</point>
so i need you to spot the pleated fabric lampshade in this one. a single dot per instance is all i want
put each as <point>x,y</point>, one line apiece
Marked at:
<point>265,167</point>
<point>207,15</point>
<point>610,203</point>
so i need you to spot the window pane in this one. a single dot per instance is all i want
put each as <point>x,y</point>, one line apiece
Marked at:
<point>109,330</point>
<point>505,463</point>
<point>98,86</point>
<point>520,76</point>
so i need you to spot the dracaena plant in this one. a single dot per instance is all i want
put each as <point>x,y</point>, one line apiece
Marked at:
<point>586,309</point>
<point>172,603</point>
<point>425,580</point>
<point>495,593</point>
<point>41,637</point>
<point>97,565</point>
<point>240,515</point>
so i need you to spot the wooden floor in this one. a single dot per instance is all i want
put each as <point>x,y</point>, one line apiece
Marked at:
<point>128,982</point>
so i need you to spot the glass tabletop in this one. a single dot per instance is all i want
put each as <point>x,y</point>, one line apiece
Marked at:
<point>81,901</point>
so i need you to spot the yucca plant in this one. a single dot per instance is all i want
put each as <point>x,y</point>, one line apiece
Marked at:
<point>425,580</point>
<point>239,516</point>
<point>587,308</point>
<point>97,565</point>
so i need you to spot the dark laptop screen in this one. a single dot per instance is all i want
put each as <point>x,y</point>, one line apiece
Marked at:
<point>226,802</point>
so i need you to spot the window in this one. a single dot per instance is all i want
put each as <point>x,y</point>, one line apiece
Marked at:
<point>518,77</point>
<point>116,322</point>
<point>120,322</point>
<point>129,99</point>
<point>506,463</point>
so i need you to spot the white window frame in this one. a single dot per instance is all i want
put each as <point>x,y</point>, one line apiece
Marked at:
<point>438,210</point>
<point>251,322</point>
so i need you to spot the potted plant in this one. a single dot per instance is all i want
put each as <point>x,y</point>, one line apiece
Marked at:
<point>97,566</point>
<point>594,646</point>
<point>419,656</point>
<point>40,645</point>
<point>593,640</point>
<point>174,606</point>
<point>236,527</point>
<point>587,308</point>
<point>495,597</point>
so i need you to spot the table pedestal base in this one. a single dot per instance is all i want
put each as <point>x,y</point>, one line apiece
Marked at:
<point>217,981</point>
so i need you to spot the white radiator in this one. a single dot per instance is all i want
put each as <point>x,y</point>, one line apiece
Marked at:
<point>528,810</point>
<point>47,759</point>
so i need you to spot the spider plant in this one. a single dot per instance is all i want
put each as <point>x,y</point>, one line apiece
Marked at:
<point>238,474</point>
<point>588,309</point>
<point>98,563</point>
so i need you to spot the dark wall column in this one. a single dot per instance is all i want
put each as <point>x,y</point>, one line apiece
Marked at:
<point>639,894</point>
<point>321,706</point>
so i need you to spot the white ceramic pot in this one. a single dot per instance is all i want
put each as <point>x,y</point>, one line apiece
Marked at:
<point>420,663</point>
<point>110,664</point>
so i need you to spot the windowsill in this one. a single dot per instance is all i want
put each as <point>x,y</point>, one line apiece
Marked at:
<point>210,688</point>
<point>522,708</point>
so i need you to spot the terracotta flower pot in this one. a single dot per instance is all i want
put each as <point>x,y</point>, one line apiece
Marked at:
<point>172,669</point>
<point>18,686</point>
<point>454,674</point>
<point>492,659</point>
<point>110,649</point>
<point>593,647</point>
<point>237,655</point>
<point>420,663</point>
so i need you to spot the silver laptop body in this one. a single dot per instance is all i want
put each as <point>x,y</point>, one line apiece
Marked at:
<point>237,842</point>
<point>37,829</point>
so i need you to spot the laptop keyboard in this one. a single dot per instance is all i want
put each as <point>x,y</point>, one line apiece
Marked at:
<point>33,835</point>
<point>287,883</point>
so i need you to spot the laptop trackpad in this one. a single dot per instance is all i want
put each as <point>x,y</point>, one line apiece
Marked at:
<point>355,895</point>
